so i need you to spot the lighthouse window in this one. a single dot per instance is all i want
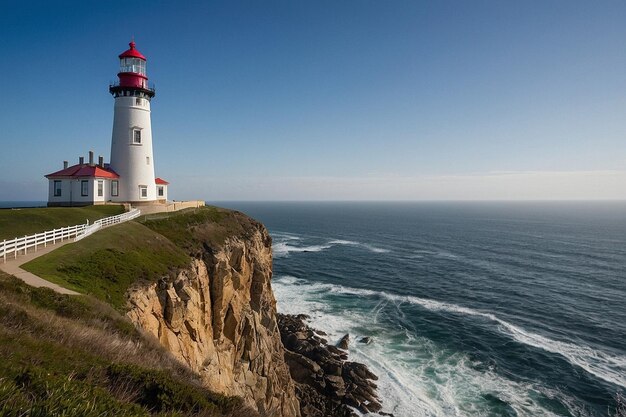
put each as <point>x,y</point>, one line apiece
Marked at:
<point>115,188</point>
<point>135,65</point>
<point>57,188</point>
<point>137,136</point>
<point>147,160</point>
<point>138,102</point>
<point>143,191</point>
<point>84,188</point>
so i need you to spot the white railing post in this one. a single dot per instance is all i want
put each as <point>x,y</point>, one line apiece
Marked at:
<point>77,232</point>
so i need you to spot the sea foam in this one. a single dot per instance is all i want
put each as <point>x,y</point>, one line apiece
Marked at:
<point>285,243</point>
<point>407,364</point>
<point>610,368</point>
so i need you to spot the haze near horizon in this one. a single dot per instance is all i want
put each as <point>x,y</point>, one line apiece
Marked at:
<point>358,100</point>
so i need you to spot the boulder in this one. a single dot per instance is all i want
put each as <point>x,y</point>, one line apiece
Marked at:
<point>344,343</point>
<point>334,386</point>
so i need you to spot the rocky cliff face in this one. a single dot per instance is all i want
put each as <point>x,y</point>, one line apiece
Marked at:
<point>219,317</point>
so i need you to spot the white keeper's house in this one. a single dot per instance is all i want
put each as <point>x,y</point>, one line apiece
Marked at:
<point>129,176</point>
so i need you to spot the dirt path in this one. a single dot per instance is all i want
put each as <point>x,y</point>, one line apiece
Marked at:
<point>12,266</point>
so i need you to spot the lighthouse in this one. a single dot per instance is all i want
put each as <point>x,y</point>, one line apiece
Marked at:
<point>129,176</point>
<point>131,143</point>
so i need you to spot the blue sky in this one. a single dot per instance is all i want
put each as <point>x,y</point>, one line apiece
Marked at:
<point>294,100</point>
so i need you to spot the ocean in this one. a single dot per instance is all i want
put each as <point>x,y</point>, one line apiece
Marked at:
<point>22,204</point>
<point>474,309</point>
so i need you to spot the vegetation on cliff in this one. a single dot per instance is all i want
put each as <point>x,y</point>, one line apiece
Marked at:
<point>28,221</point>
<point>198,282</point>
<point>74,356</point>
<point>197,230</point>
<point>107,263</point>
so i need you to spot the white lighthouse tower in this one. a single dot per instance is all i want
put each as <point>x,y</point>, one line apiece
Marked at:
<point>131,144</point>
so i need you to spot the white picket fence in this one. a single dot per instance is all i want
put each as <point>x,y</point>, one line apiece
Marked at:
<point>106,222</point>
<point>21,245</point>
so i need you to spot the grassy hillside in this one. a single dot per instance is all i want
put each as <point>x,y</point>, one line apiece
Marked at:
<point>76,356</point>
<point>21,222</point>
<point>190,229</point>
<point>106,263</point>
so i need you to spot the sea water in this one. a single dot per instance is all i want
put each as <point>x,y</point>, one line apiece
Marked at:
<point>474,309</point>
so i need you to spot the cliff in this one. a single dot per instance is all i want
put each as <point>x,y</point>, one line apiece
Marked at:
<point>218,315</point>
<point>198,283</point>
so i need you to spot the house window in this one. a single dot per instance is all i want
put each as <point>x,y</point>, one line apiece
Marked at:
<point>115,189</point>
<point>137,136</point>
<point>84,188</point>
<point>160,191</point>
<point>100,188</point>
<point>143,191</point>
<point>57,188</point>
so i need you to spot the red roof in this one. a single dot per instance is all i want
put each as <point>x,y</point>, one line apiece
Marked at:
<point>132,52</point>
<point>85,170</point>
<point>160,181</point>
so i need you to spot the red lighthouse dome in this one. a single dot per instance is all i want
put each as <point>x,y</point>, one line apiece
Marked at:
<point>132,75</point>
<point>132,52</point>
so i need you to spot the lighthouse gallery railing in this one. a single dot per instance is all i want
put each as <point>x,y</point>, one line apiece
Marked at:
<point>21,245</point>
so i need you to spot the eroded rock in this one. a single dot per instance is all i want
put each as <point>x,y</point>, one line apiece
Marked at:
<point>327,384</point>
<point>219,317</point>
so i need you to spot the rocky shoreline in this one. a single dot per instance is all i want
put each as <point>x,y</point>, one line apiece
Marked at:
<point>327,384</point>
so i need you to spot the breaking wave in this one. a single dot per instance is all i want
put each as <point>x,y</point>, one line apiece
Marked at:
<point>417,377</point>
<point>286,243</point>
<point>608,367</point>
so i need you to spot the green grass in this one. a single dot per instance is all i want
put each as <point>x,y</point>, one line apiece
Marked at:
<point>22,222</point>
<point>108,262</point>
<point>75,356</point>
<point>194,229</point>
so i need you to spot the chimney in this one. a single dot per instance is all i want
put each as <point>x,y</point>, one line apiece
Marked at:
<point>91,158</point>
<point>64,164</point>
<point>81,160</point>
<point>101,161</point>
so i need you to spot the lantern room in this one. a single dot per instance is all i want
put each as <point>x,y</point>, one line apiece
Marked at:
<point>136,65</point>
<point>132,68</point>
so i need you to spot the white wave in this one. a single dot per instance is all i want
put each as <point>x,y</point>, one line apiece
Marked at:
<point>608,367</point>
<point>283,248</point>
<point>374,248</point>
<point>343,242</point>
<point>417,377</point>
<point>289,280</point>
<point>363,245</point>
<point>603,365</point>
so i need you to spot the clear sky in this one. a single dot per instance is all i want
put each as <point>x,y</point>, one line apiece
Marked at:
<point>318,100</point>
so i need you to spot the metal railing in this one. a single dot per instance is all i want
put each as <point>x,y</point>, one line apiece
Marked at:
<point>21,245</point>
<point>149,86</point>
